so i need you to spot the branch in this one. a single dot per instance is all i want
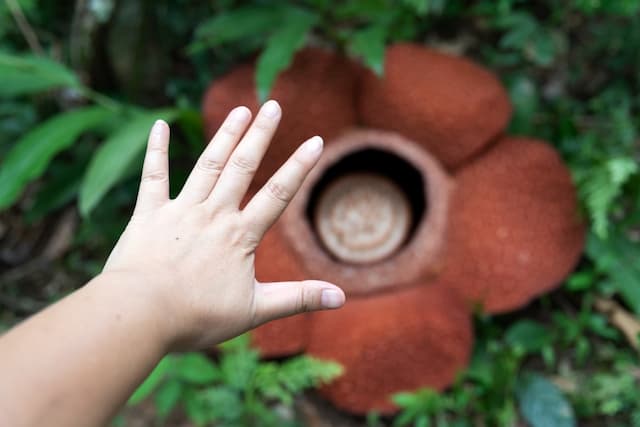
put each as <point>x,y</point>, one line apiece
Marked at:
<point>26,29</point>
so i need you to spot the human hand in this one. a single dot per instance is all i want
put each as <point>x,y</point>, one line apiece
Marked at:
<point>193,256</point>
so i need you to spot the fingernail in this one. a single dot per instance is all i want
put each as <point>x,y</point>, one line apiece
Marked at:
<point>314,145</point>
<point>271,109</point>
<point>330,298</point>
<point>157,126</point>
<point>238,114</point>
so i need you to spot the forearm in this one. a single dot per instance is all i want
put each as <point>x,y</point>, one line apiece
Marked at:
<point>77,362</point>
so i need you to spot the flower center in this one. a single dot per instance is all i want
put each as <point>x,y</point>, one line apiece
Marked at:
<point>362,218</point>
<point>372,214</point>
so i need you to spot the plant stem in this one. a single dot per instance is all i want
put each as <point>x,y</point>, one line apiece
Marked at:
<point>27,31</point>
<point>101,99</point>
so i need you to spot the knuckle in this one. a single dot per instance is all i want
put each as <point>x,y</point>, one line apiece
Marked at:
<point>306,300</point>
<point>243,238</point>
<point>279,191</point>
<point>264,123</point>
<point>210,165</point>
<point>244,165</point>
<point>251,240</point>
<point>155,177</point>
<point>230,129</point>
<point>158,148</point>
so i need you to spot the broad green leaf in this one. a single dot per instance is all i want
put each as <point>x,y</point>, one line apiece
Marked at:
<point>369,44</point>
<point>167,397</point>
<point>196,368</point>
<point>528,335</point>
<point>115,154</point>
<point>236,24</point>
<point>29,157</point>
<point>28,74</point>
<point>542,404</point>
<point>153,380</point>
<point>280,48</point>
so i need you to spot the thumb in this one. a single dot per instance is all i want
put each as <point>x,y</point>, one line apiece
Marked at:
<point>281,299</point>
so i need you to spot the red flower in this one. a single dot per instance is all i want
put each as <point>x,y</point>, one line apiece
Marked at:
<point>421,209</point>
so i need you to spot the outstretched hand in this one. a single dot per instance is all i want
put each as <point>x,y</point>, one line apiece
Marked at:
<point>193,256</point>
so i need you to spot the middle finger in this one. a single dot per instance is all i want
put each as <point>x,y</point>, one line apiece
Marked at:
<point>245,159</point>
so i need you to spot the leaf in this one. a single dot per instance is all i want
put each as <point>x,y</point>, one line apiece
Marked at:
<point>237,24</point>
<point>283,381</point>
<point>222,403</point>
<point>153,380</point>
<point>541,48</point>
<point>115,154</point>
<point>238,368</point>
<point>280,48</point>
<point>369,44</point>
<point>542,404</point>
<point>22,75</point>
<point>196,408</point>
<point>520,26</point>
<point>196,368</point>
<point>618,258</point>
<point>601,185</point>
<point>29,157</point>
<point>528,335</point>
<point>167,397</point>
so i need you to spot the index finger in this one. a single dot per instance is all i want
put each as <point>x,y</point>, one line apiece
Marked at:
<point>268,204</point>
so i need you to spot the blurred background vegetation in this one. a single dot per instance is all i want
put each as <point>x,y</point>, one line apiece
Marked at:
<point>81,82</point>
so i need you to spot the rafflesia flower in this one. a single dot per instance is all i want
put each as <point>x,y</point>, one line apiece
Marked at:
<point>421,209</point>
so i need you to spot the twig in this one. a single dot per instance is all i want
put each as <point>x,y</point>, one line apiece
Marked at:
<point>628,324</point>
<point>25,28</point>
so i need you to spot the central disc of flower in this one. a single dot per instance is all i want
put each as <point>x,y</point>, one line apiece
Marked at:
<point>372,214</point>
<point>363,218</point>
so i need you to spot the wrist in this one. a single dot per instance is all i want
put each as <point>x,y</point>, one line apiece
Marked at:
<point>133,298</point>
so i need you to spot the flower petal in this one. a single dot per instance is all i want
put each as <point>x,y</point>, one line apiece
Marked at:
<point>398,341</point>
<point>451,105</point>
<point>276,262</point>
<point>514,228</point>
<point>316,95</point>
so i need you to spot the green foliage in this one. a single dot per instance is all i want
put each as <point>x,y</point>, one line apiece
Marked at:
<point>616,259</point>
<point>611,393</point>
<point>280,48</point>
<point>369,43</point>
<point>486,391</point>
<point>237,390</point>
<point>27,74</point>
<point>29,157</point>
<point>528,336</point>
<point>31,154</point>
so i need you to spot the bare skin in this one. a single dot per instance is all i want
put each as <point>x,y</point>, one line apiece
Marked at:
<point>181,277</point>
